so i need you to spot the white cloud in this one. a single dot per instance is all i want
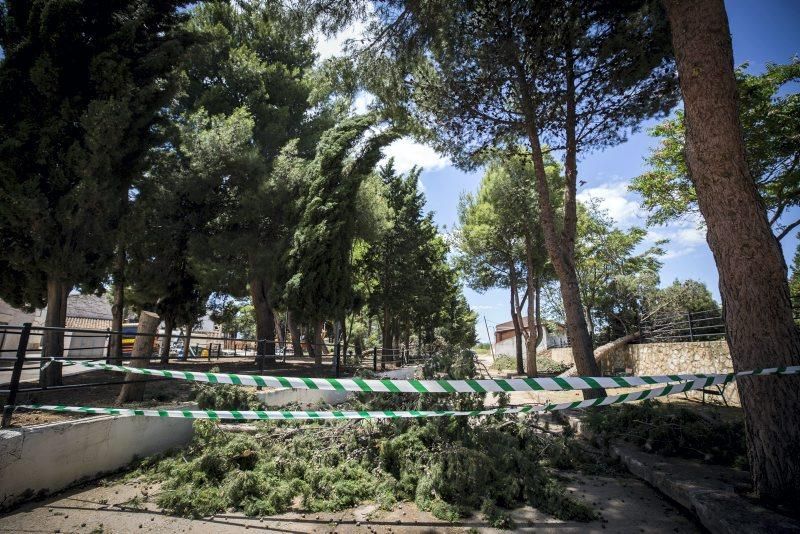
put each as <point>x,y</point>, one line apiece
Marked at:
<point>684,237</point>
<point>615,198</point>
<point>408,153</point>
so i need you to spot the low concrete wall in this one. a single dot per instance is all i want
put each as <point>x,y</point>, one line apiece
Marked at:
<point>43,459</point>
<point>674,358</point>
<point>312,397</point>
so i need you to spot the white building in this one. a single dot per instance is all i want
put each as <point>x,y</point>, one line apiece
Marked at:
<point>504,343</point>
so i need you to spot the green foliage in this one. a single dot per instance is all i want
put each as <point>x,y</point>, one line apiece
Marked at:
<point>682,297</point>
<point>225,397</point>
<point>549,366</point>
<point>544,365</point>
<point>321,283</point>
<point>663,428</point>
<point>446,466</point>
<point>614,274</point>
<point>504,362</point>
<point>83,86</point>
<point>770,120</point>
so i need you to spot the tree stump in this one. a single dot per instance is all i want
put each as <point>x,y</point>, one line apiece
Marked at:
<point>142,349</point>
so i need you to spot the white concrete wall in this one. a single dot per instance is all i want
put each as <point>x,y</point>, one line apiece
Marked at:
<point>47,458</point>
<point>277,397</point>
<point>507,347</point>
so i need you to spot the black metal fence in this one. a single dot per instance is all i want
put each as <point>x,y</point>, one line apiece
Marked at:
<point>20,351</point>
<point>705,325</point>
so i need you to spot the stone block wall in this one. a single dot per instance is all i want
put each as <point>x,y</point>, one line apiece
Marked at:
<point>674,358</point>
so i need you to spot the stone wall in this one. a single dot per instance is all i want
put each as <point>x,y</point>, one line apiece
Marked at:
<point>674,358</point>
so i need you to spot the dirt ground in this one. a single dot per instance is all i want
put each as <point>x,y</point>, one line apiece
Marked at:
<point>624,503</point>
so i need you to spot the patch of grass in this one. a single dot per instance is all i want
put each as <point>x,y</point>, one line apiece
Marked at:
<point>544,365</point>
<point>549,366</point>
<point>504,362</point>
<point>670,430</point>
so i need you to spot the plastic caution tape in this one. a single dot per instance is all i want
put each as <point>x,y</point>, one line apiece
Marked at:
<point>432,386</point>
<point>243,415</point>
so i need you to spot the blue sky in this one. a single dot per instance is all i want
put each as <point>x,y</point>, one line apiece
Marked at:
<point>763,32</point>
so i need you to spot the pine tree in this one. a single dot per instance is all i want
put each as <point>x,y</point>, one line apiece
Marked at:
<point>82,85</point>
<point>321,281</point>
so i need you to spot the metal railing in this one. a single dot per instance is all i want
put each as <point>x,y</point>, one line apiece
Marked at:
<point>707,325</point>
<point>27,356</point>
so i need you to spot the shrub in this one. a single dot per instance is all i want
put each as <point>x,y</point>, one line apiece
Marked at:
<point>670,430</point>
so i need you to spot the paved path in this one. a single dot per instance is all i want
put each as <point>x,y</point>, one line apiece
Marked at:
<point>625,505</point>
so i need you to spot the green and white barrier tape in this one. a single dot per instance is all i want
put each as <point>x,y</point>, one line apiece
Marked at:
<point>669,389</point>
<point>432,386</point>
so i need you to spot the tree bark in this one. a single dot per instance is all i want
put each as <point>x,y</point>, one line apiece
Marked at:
<point>265,321</point>
<point>297,346</point>
<point>560,245</point>
<point>53,341</point>
<point>319,343</point>
<point>187,342</point>
<point>515,318</point>
<point>142,349</point>
<point>169,325</point>
<point>118,308</point>
<point>387,337</point>
<point>534,297</point>
<point>752,270</point>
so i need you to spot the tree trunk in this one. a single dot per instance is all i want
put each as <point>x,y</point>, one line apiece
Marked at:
<point>118,308</point>
<point>516,320</point>
<point>53,341</point>
<point>142,349</point>
<point>319,343</point>
<point>560,246</point>
<point>265,321</point>
<point>297,346</point>
<point>752,270</point>
<point>166,341</point>
<point>534,298</point>
<point>278,330</point>
<point>387,337</point>
<point>187,342</point>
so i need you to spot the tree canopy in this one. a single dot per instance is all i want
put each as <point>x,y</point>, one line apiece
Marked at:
<point>770,117</point>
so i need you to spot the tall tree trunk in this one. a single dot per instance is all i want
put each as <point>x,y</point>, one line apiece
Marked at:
<point>297,346</point>
<point>279,332</point>
<point>387,336</point>
<point>53,341</point>
<point>319,342</point>
<point>560,245</point>
<point>516,320</point>
<point>166,341</point>
<point>752,270</point>
<point>142,349</point>
<point>118,307</point>
<point>534,320</point>
<point>265,321</point>
<point>187,342</point>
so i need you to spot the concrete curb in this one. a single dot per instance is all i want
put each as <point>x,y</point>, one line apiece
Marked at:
<point>715,504</point>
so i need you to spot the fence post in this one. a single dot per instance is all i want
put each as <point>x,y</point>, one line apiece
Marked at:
<point>691,330</point>
<point>22,349</point>
<point>336,356</point>
<point>375,359</point>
